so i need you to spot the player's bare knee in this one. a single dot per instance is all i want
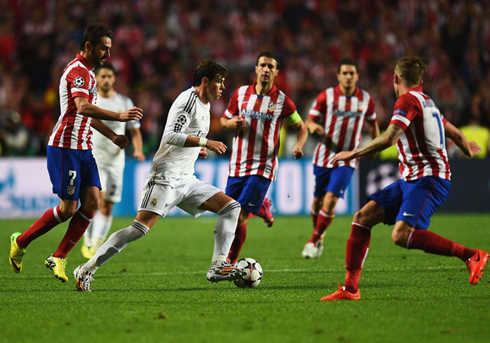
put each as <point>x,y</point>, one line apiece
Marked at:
<point>92,205</point>
<point>400,235</point>
<point>361,217</point>
<point>68,210</point>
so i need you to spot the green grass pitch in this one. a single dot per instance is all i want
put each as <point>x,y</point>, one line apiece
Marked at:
<point>156,289</point>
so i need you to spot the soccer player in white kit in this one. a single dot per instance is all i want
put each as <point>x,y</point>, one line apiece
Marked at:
<point>172,182</point>
<point>110,159</point>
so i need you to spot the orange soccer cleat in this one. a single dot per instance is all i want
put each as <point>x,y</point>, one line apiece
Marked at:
<point>342,294</point>
<point>476,265</point>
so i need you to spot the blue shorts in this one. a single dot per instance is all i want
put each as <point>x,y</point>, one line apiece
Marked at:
<point>71,170</point>
<point>333,180</point>
<point>413,202</point>
<point>249,191</point>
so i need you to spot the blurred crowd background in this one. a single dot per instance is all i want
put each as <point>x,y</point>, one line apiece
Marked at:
<point>156,44</point>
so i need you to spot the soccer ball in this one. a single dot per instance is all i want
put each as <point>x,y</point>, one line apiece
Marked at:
<point>254,275</point>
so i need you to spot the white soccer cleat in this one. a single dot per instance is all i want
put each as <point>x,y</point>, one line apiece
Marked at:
<point>220,271</point>
<point>83,279</point>
<point>312,250</point>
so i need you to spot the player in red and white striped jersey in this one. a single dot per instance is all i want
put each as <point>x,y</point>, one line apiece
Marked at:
<point>255,113</point>
<point>419,130</point>
<point>337,116</point>
<point>71,165</point>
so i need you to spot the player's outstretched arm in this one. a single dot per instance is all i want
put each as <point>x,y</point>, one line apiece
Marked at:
<point>373,129</point>
<point>87,109</point>
<point>387,139</point>
<point>302,136</point>
<point>216,146</point>
<point>470,149</point>
<point>137,141</point>
<point>314,128</point>
<point>120,140</point>
<point>235,123</point>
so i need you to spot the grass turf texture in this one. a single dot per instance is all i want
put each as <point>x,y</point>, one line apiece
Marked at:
<point>156,289</point>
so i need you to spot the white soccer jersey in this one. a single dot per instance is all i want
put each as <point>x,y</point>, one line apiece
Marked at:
<point>104,150</point>
<point>188,115</point>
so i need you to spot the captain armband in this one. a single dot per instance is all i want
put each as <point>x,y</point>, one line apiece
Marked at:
<point>293,118</point>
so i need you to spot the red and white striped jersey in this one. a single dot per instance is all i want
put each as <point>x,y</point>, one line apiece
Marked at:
<point>255,147</point>
<point>73,129</point>
<point>421,148</point>
<point>342,117</point>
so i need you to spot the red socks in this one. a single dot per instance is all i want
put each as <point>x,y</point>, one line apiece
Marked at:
<point>322,223</point>
<point>236,246</point>
<point>314,217</point>
<point>76,229</point>
<point>48,220</point>
<point>434,244</point>
<point>356,252</point>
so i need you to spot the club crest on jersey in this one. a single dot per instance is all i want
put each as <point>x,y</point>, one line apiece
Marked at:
<point>271,107</point>
<point>78,82</point>
<point>154,202</point>
<point>93,91</point>
<point>70,190</point>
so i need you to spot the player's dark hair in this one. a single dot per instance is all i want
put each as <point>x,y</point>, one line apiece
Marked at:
<point>411,69</point>
<point>208,69</point>
<point>269,55</point>
<point>347,62</point>
<point>93,33</point>
<point>105,66</point>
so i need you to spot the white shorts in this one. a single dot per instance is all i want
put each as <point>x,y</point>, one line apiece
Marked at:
<point>162,194</point>
<point>111,179</point>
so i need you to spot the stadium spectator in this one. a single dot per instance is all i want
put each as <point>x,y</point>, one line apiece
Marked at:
<point>172,181</point>
<point>110,159</point>
<point>418,128</point>
<point>255,114</point>
<point>309,36</point>
<point>13,134</point>
<point>337,117</point>
<point>71,165</point>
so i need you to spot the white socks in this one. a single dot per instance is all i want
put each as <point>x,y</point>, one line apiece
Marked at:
<point>113,246</point>
<point>225,230</point>
<point>97,231</point>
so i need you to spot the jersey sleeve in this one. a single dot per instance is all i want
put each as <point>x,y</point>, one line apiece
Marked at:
<point>289,107</point>
<point>319,107</point>
<point>406,109</point>
<point>371,113</point>
<point>132,124</point>
<point>232,110</point>
<point>78,80</point>
<point>179,118</point>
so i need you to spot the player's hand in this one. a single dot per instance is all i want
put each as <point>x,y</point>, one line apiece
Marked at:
<point>342,156</point>
<point>217,147</point>
<point>317,130</point>
<point>139,156</point>
<point>134,113</point>
<point>120,140</point>
<point>297,152</point>
<point>237,123</point>
<point>203,153</point>
<point>473,149</point>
